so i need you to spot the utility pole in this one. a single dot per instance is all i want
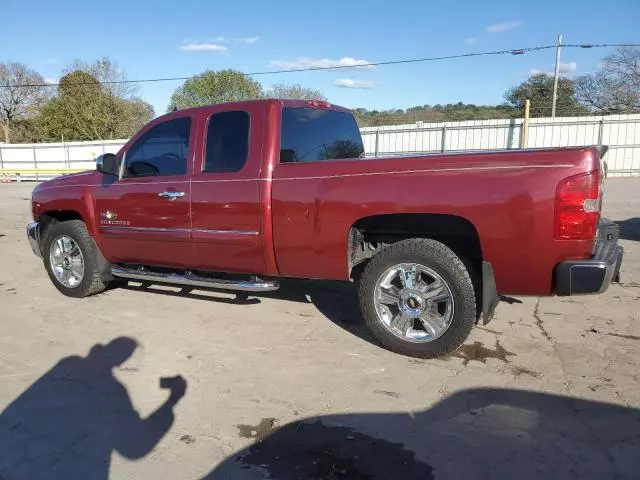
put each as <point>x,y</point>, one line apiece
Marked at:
<point>555,76</point>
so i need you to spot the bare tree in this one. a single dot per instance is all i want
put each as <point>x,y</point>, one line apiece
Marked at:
<point>282,90</point>
<point>615,88</point>
<point>20,98</point>
<point>107,72</point>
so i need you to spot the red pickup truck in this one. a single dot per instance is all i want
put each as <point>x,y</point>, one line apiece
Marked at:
<point>236,196</point>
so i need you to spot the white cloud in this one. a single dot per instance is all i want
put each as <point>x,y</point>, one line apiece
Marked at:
<point>221,39</point>
<point>50,80</point>
<point>203,47</point>
<point>568,67</point>
<point>503,27</point>
<point>248,39</point>
<point>351,83</point>
<point>563,69</point>
<point>343,63</point>
<point>51,61</point>
<point>470,40</point>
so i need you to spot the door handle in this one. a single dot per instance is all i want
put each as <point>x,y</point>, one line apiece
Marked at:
<point>171,195</point>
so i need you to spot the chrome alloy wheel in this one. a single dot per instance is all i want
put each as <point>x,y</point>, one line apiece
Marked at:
<point>413,302</point>
<point>67,262</point>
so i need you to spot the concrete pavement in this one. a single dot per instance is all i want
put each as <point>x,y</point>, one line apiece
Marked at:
<point>292,386</point>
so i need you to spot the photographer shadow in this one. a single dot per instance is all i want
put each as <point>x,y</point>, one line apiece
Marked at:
<point>67,424</point>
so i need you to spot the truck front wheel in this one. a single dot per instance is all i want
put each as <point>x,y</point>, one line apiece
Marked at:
<point>417,298</point>
<point>70,258</point>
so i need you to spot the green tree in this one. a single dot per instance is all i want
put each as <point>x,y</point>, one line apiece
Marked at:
<point>281,90</point>
<point>84,110</point>
<point>433,114</point>
<point>20,98</point>
<point>135,114</point>
<point>539,90</point>
<point>615,87</point>
<point>212,87</point>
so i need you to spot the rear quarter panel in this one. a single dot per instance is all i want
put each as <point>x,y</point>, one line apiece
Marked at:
<point>507,196</point>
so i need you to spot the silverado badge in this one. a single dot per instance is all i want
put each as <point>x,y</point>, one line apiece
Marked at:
<point>110,218</point>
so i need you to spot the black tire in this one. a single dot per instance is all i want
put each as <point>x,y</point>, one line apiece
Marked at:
<point>92,281</point>
<point>445,263</point>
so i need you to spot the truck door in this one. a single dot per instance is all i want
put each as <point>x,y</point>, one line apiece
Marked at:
<point>226,190</point>
<point>144,217</point>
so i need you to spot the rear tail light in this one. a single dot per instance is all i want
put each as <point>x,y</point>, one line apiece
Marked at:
<point>577,209</point>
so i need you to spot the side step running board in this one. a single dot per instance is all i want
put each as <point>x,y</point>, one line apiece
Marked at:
<point>194,280</point>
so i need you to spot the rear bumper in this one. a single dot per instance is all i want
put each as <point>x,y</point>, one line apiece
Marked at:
<point>33,234</point>
<point>594,275</point>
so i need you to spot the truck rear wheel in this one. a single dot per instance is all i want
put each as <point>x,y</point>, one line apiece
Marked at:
<point>70,258</point>
<point>417,298</point>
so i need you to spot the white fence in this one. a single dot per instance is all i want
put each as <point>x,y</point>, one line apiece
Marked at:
<point>620,132</point>
<point>54,156</point>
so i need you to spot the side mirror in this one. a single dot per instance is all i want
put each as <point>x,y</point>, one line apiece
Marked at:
<point>108,163</point>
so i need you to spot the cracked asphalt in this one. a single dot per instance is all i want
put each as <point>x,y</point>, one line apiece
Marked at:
<point>291,386</point>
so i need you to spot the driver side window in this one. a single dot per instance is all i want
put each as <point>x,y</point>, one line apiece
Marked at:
<point>163,150</point>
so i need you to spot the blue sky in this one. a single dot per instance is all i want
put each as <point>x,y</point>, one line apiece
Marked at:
<point>166,39</point>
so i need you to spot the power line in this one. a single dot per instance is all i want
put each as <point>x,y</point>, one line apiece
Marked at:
<point>516,51</point>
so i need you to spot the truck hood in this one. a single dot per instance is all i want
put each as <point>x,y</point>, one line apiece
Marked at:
<point>82,178</point>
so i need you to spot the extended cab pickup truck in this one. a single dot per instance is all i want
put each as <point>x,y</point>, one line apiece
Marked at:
<point>236,196</point>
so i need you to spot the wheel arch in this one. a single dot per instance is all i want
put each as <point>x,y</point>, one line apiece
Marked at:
<point>369,234</point>
<point>52,217</point>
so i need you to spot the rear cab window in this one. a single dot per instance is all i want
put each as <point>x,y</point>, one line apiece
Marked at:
<point>227,143</point>
<point>317,135</point>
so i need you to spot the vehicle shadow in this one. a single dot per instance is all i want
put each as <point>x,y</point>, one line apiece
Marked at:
<point>490,433</point>
<point>337,301</point>
<point>68,422</point>
<point>630,229</point>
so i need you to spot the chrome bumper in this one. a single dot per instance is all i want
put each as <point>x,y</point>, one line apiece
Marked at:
<point>33,234</point>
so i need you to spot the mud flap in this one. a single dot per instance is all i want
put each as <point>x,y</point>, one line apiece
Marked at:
<point>490,298</point>
<point>104,265</point>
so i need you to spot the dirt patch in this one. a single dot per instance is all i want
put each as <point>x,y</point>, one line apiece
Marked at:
<point>619,335</point>
<point>387,393</point>
<point>525,371</point>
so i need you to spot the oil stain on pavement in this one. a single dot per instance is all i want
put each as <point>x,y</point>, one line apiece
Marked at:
<point>264,428</point>
<point>479,353</point>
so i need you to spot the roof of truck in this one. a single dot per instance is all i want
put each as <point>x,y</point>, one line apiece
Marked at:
<point>285,102</point>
